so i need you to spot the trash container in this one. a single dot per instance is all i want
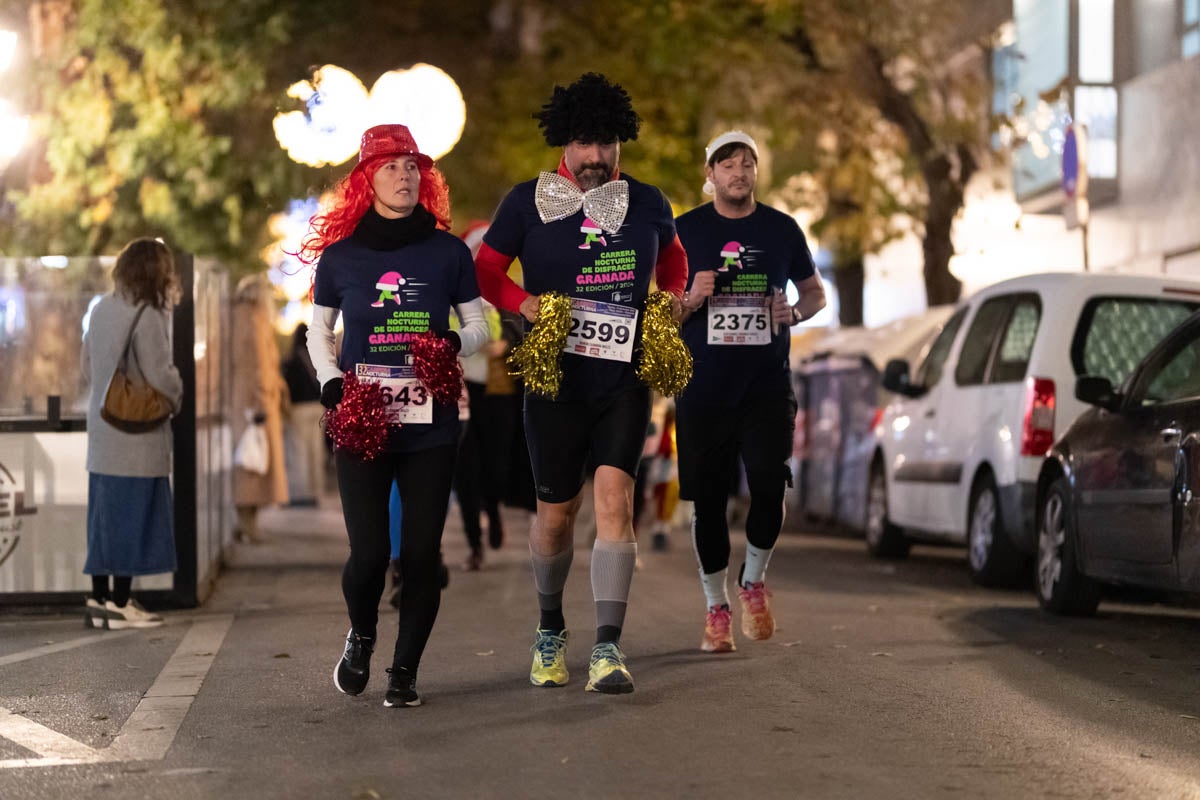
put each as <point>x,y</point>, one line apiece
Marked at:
<point>840,403</point>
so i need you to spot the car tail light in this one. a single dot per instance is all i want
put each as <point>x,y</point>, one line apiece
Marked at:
<point>1037,432</point>
<point>876,418</point>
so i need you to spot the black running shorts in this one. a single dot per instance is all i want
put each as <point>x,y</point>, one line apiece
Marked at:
<point>566,438</point>
<point>710,439</point>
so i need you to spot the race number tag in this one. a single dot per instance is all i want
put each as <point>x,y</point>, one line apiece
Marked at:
<point>404,398</point>
<point>738,319</point>
<point>601,330</point>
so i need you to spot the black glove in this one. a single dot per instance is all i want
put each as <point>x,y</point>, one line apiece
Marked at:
<point>452,337</point>
<point>260,418</point>
<point>331,392</point>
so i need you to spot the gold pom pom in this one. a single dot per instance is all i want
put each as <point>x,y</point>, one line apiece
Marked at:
<point>666,365</point>
<point>536,359</point>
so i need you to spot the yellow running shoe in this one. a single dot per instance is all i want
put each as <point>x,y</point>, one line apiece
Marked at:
<point>549,659</point>
<point>606,671</point>
<point>718,631</point>
<point>757,620</point>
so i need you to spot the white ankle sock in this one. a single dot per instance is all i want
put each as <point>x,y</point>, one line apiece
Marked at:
<point>755,570</point>
<point>715,593</point>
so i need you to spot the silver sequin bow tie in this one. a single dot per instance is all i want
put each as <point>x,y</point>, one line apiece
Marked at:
<point>557,198</point>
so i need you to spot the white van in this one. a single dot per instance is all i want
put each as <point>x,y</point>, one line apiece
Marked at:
<point>960,446</point>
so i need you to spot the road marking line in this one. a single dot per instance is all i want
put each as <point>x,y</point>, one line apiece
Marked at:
<point>58,647</point>
<point>42,740</point>
<point>150,730</point>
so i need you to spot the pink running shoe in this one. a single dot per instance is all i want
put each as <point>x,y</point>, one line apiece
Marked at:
<point>718,631</point>
<point>758,622</point>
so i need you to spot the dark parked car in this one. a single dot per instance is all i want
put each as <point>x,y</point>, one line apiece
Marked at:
<point>1118,494</point>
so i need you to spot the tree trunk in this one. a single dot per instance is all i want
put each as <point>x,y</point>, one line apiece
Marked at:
<point>849,275</point>
<point>945,199</point>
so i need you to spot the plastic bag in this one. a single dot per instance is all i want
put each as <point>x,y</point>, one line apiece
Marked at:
<point>251,453</point>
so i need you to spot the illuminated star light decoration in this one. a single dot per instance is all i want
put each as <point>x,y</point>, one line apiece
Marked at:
<point>338,109</point>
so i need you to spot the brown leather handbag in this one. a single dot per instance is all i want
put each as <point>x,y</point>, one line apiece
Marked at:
<point>133,405</point>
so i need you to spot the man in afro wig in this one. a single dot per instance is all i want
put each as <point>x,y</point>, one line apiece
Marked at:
<point>591,110</point>
<point>597,235</point>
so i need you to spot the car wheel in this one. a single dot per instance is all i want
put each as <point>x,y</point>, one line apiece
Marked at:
<point>1061,587</point>
<point>992,559</point>
<point>884,540</point>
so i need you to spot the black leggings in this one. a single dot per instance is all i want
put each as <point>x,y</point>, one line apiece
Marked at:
<point>476,479</point>
<point>424,480</point>
<point>711,441</point>
<point>763,521</point>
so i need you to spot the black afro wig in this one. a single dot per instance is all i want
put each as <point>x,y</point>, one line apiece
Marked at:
<point>590,110</point>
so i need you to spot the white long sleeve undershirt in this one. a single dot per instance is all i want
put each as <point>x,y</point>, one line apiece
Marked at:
<point>322,347</point>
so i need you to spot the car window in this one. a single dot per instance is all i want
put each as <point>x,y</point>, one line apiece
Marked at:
<point>1012,360</point>
<point>1176,379</point>
<point>977,347</point>
<point>930,371</point>
<point>1116,333</point>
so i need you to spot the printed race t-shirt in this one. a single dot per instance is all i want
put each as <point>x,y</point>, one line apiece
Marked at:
<point>387,297</point>
<point>606,275</point>
<point>735,347</point>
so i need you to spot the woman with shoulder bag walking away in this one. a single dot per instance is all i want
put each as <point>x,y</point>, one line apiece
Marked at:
<point>130,519</point>
<point>388,266</point>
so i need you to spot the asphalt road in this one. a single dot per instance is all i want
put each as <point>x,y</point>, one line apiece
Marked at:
<point>884,680</point>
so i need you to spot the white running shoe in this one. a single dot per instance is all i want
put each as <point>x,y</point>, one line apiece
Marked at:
<point>131,615</point>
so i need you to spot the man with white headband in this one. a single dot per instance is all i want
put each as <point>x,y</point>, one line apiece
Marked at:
<point>737,323</point>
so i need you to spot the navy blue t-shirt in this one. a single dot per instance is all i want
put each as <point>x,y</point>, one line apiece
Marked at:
<point>387,297</point>
<point>575,257</point>
<point>753,255</point>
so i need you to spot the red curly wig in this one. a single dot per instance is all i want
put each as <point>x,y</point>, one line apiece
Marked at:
<point>353,195</point>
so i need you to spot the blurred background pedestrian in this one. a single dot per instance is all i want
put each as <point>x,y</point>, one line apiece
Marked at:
<point>259,398</point>
<point>305,448</point>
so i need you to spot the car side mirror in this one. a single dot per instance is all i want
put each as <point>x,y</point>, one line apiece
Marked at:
<point>896,379</point>
<point>1097,391</point>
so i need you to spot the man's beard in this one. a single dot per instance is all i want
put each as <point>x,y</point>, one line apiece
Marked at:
<point>589,176</point>
<point>740,197</point>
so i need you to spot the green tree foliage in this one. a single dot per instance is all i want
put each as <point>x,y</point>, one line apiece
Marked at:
<point>153,118</point>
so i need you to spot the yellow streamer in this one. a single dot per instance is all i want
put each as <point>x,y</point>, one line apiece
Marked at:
<point>666,365</point>
<point>536,359</point>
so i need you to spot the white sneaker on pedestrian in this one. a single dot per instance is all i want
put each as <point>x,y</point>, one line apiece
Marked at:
<point>95,615</point>
<point>131,615</point>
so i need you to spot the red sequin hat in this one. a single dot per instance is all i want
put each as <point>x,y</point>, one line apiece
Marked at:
<point>390,140</point>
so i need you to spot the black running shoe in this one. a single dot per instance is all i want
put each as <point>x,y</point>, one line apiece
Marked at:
<point>354,667</point>
<point>402,689</point>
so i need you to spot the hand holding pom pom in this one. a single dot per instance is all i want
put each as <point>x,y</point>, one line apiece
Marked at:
<point>536,359</point>
<point>666,365</point>
<point>359,423</point>
<point>437,366</point>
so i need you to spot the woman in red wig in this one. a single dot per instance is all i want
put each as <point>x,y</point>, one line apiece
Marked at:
<point>386,263</point>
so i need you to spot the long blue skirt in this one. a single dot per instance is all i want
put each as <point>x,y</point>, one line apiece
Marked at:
<point>130,525</point>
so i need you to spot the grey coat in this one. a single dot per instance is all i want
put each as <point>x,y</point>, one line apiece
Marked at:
<point>110,451</point>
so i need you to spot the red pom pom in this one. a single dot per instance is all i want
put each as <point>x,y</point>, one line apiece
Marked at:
<point>359,424</point>
<point>437,367</point>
